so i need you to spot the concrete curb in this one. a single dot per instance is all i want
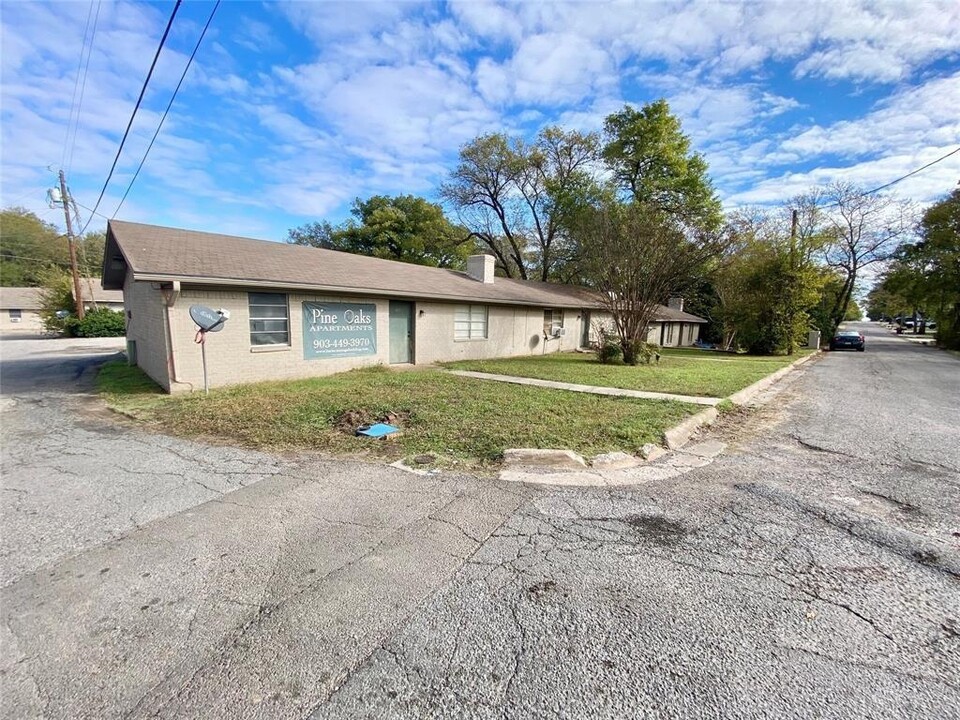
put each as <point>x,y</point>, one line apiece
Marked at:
<point>678,436</point>
<point>744,396</point>
<point>562,467</point>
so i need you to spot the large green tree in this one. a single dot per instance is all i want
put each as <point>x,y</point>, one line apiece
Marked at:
<point>405,228</point>
<point>924,279</point>
<point>515,197</point>
<point>30,247</point>
<point>651,162</point>
<point>766,283</point>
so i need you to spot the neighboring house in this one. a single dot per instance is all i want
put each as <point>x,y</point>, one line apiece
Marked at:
<point>299,311</point>
<point>675,328</point>
<point>94,296</point>
<point>20,309</point>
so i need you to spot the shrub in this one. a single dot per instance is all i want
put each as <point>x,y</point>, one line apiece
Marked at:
<point>637,351</point>
<point>101,322</point>
<point>608,352</point>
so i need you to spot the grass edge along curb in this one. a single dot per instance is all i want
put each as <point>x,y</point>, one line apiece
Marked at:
<point>742,397</point>
<point>679,435</point>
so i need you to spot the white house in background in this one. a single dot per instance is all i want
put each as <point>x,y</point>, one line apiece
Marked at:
<point>20,306</point>
<point>20,309</point>
<point>298,311</point>
<point>94,296</point>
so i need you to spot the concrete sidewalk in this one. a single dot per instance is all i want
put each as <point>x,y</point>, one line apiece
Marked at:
<point>592,389</point>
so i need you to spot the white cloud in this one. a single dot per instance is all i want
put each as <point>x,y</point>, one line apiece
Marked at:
<point>323,21</point>
<point>488,20</point>
<point>922,188</point>
<point>558,68</point>
<point>928,114</point>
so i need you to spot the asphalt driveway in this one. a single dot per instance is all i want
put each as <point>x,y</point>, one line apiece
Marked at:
<point>74,476</point>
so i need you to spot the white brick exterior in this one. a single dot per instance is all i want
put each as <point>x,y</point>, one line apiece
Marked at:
<point>166,351</point>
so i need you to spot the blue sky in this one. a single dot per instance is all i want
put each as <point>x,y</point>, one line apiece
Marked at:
<point>291,110</point>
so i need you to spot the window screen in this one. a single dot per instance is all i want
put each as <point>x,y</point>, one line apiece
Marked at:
<point>269,319</point>
<point>470,322</point>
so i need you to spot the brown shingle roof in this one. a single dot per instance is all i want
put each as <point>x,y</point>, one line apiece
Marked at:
<point>164,254</point>
<point>674,315</point>
<point>91,289</point>
<point>20,298</point>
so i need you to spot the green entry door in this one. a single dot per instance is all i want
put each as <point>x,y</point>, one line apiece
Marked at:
<point>401,332</point>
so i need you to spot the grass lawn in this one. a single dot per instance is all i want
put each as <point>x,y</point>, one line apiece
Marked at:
<point>449,416</point>
<point>681,370</point>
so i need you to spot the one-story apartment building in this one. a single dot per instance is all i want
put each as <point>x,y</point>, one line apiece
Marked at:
<point>298,311</point>
<point>20,306</point>
<point>20,309</point>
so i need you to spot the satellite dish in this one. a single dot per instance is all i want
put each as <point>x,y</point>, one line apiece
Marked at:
<point>206,319</point>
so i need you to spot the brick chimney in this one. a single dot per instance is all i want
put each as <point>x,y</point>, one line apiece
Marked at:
<point>480,267</point>
<point>676,303</point>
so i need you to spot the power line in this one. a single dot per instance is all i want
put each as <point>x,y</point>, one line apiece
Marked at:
<point>83,87</point>
<point>47,261</point>
<point>899,179</point>
<point>26,194</point>
<point>136,107</point>
<point>914,172</point>
<point>76,85</point>
<point>169,104</point>
<point>92,212</point>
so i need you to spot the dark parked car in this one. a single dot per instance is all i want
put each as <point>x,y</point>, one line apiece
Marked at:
<point>848,339</point>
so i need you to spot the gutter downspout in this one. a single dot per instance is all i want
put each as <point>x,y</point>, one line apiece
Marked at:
<point>170,297</point>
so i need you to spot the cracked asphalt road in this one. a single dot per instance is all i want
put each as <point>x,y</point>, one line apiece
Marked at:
<point>812,571</point>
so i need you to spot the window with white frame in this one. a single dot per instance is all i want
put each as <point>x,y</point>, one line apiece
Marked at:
<point>470,322</point>
<point>269,319</point>
<point>552,321</point>
<point>16,315</point>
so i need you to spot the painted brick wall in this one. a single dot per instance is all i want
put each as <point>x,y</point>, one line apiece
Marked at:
<point>231,359</point>
<point>511,331</point>
<point>29,322</point>
<point>146,326</point>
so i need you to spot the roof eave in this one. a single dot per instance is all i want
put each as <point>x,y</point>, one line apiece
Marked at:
<point>349,290</point>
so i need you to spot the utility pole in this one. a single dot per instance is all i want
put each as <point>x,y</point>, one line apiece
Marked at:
<point>793,281</point>
<point>77,295</point>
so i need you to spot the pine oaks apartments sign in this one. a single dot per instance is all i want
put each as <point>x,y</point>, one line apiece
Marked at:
<point>339,330</point>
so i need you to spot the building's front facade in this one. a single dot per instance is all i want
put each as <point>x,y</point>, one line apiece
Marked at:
<point>299,312</point>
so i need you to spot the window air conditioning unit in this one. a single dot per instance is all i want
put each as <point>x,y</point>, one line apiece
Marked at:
<point>559,332</point>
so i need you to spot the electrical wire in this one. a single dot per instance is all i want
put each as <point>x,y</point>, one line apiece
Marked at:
<point>93,212</point>
<point>76,85</point>
<point>914,172</point>
<point>167,110</point>
<point>83,88</point>
<point>899,179</point>
<point>62,263</point>
<point>136,107</point>
<point>13,203</point>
